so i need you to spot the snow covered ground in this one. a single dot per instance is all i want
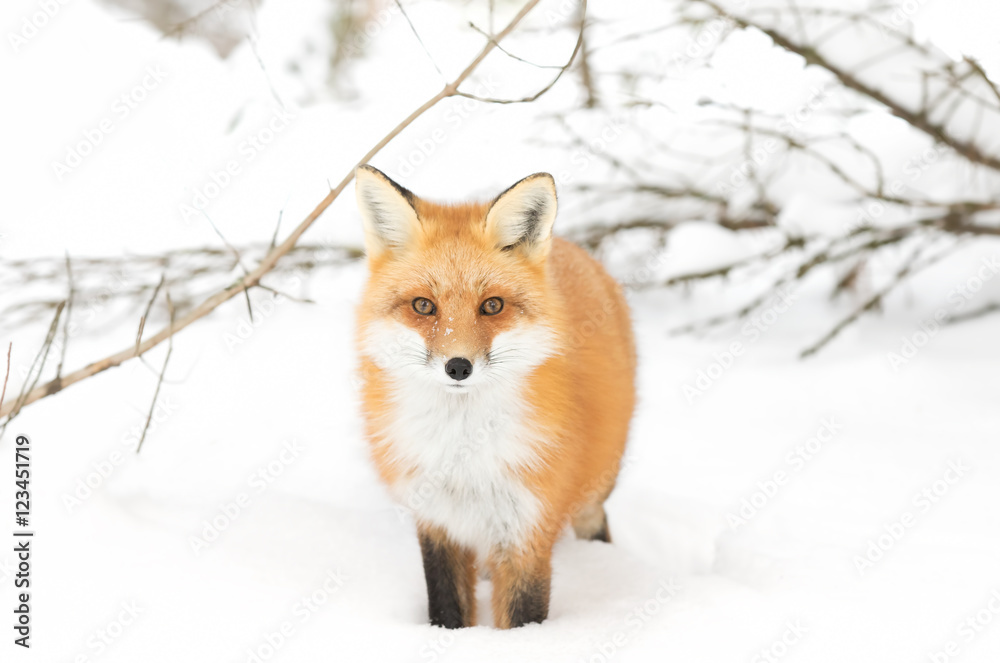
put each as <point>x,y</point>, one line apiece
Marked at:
<point>842,508</point>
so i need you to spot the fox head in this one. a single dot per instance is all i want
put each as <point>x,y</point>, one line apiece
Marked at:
<point>458,295</point>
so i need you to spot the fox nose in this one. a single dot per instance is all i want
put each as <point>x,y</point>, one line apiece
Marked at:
<point>458,368</point>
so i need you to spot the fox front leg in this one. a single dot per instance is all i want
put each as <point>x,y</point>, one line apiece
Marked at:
<point>521,586</point>
<point>450,572</point>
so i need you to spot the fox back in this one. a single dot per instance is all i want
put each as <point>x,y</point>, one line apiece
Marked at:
<point>497,367</point>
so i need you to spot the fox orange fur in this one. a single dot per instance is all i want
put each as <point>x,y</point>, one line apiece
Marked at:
<point>497,371</point>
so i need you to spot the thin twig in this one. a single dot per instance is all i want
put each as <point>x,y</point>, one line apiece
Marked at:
<point>721,271</point>
<point>239,261</point>
<point>279,293</point>
<point>159,382</point>
<point>267,77</point>
<point>911,267</point>
<point>277,227</point>
<point>10,345</point>
<point>533,97</point>
<point>511,55</point>
<point>586,78</point>
<point>416,34</point>
<point>69,309</point>
<point>980,312</point>
<point>182,27</point>
<point>29,383</point>
<point>145,315</point>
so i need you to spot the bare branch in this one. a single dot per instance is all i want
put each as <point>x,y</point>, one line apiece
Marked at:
<point>69,309</point>
<point>10,346</point>
<point>28,387</point>
<point>145,315</point>
<point>910,267</point>
<point>416,34</point>
<point>533,97</point>
<point>918,119</point>
<point>277,227</point>
<point>974,314</point>
<point>509,54</point>
<point>263,69</point>
<point>159,382</point>
<point>239,261</point>
<point>191,273</point>
<point>279,293</point>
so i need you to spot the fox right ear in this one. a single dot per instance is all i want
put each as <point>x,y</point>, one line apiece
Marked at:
<point>387,211</point>
<point>521,217</point>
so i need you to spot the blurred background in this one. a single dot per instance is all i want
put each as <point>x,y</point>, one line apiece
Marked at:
<point>801,198</point>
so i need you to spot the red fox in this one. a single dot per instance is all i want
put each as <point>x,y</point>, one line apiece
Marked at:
<point>497,385</point>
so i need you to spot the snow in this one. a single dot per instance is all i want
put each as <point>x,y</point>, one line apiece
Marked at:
<point>257,430</point>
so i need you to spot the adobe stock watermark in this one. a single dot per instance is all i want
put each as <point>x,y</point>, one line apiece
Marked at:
<point>400,347</point>
<point>640,276</point>
<point>371,29</point>
<point>750,333</point>
<point>913,170</point>
<point>257,483</point>
<point>103,638</point>
<point>780,646</point>
<point>635,621</point>
<point>596,488</point>
<point>968,630</point>
<point>436,646</point>
<point>432,484</point>
<point>248,150</point>
<point>32,24</point>
<point>220,10</point>
<point>121,108</point>
<point>583,157</point>
<point>925,500</point>
<point>84,313</point>
<point>911,344</point>
<point>791,124</point>
<point>901,16</point>
<point>873,209</point>
<point>563,11</point>
<point>795,461</point>
<point>265,306</point>
<point>461,109</point>
<point>597,318</point>
<point>100,471</point>
<point>700,46</point>
<point>302,611</point>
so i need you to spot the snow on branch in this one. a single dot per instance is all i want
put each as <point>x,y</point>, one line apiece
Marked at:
<point>893,151</point>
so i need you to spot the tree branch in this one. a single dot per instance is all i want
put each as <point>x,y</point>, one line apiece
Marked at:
<point>918,120</point>
<point>555,79</point>
<point>10,346</point>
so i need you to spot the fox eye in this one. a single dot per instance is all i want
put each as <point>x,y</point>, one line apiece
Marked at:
<point>424,306</point>
<point>491,306</point>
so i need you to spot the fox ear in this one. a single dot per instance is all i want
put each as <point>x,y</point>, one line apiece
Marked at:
<point>522,216</point>
<point>387,211</point>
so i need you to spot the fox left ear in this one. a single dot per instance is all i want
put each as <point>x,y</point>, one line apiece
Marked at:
<point>522,216</point>
<point>387,211</point>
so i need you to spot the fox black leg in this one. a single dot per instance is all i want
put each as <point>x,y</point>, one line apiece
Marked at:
<point>450,572</point>
<point>521,587</point>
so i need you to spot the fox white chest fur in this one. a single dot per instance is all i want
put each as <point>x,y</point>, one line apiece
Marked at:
<point>459,454</point>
